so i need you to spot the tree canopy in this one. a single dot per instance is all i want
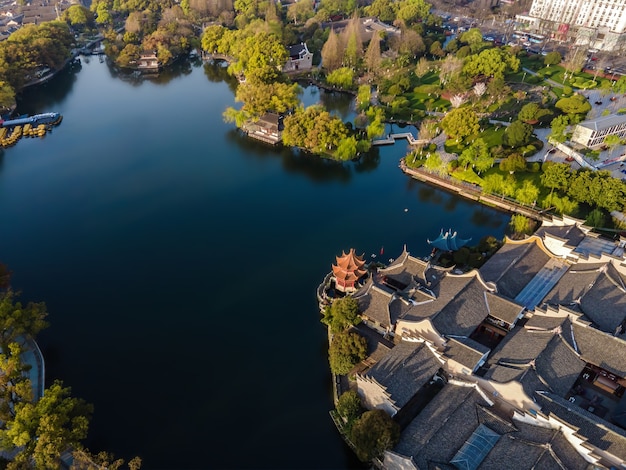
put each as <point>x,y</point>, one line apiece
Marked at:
<point>346,350</point>
<point>460,123</point>
<point>374,433</point>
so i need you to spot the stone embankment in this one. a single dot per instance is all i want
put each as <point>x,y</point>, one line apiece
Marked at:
<point>473,192</point>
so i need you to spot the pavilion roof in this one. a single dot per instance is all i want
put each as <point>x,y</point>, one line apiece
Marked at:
<point>448,241</point>
<point>349,266</point>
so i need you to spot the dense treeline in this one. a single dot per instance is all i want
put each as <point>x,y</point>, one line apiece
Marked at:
<point>29,49</point>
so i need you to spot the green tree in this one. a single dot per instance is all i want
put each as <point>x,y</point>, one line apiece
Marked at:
<point>512,163</point>
<point>521,225</point>
<point>78,16</point>
<point>477,155</point>
<point>460,123</point>
<point>558,128</point>
<point>473,38</point>
<point>596,218</point>
<point>576,104</point>
<point>342,77</point>
<point>42,431</point>
<point>84,460</point>
<point>15,386</point>
<point>422,68</point>
<point>532,112</point>
<point>493,62</point>
<point>527,193</point>
<point>384,10</point>
<point>346,350</point>
<point>374,433</point>
<point>353,51</point>
<point>555,175</point>
<point>517,134</point>
<point>17,319</point>
<point>436,50</point>
<point>314,129</point>
<point>349,406</point>
<point>435,164</point>
<point>552,58</point>
<point>411,11</point>
<point>612,141</point>
<point>341,314</point>
<point>363,97</point>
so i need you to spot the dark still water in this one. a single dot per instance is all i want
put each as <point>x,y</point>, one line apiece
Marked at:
<point>179,263</point>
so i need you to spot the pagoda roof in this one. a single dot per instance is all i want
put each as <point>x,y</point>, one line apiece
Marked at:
<point>448,241</point>
<point>349,266</point>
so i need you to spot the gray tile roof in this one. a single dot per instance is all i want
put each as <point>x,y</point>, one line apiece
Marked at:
<point>521,270</point>
<point>503,259</point>
<point>444,291</point>
<point>512,357</point>
<point>541,321</point>
<point>375,305</point>
<point>605,302</point>
<point>462,315</point>
<point>573,285</point>
<point>403,371</point>
<point>595,430</point>
<point>447,422</point>
<point>503,309</point>
<point>559,366</point>
<point>572,234</point>
<point>465,351</point>
<point>409,271</point>
<point>598,348</point>
<point>442,427</point>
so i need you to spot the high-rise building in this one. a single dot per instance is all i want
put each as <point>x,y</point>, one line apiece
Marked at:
<point>598,24</point>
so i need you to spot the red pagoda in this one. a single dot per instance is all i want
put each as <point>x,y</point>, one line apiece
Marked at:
<point>348,270</point>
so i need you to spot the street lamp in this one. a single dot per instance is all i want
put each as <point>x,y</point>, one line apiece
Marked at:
<point>523,77</point>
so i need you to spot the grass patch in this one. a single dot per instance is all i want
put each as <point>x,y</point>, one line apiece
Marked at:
<point>467,175</point>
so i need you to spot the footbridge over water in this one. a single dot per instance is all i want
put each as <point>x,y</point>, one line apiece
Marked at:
<point>391,139</point>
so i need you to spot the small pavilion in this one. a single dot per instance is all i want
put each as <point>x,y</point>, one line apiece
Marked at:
<point>348,271</point>
<point>448,241</point>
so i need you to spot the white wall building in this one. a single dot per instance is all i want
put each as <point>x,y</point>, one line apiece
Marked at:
<point>599,24</point>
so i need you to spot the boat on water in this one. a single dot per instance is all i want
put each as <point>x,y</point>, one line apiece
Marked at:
<point>12,130</point>
<point>35,120</point>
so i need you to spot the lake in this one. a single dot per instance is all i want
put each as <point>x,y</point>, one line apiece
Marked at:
<point>179,262</point>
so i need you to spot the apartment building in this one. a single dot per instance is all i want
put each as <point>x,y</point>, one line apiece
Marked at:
<point>598,24</point>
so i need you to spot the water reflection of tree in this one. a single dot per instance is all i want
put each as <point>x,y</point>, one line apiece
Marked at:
<point>217,72</point>
<point>483,217</point>
<point>368,162</point>
<point>294,161</point>
<point>41,98</point>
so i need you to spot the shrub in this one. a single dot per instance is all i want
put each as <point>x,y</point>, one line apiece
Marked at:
<point>567,90</point>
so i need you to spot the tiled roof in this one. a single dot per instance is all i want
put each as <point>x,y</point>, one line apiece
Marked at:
<point>444,291</point>
<point>595,430</point>
<point>442,427</point>
<point>599,348</point>
<point>403,371</point>
<point>505,257</point>
<point>375,304</point>
<point>559,366</point>
<point>605,302</point>
<point>406,269</point>
<point>573,285</point>
<point>503,309</point>
<point>521,266</point>
<point>571,233</point>
<point>465,351</point>
<point>542,321</point>
<point>462,315</point>
<point>512,357</point>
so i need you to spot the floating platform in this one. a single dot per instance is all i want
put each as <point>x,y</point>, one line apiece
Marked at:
<point>38,125</point>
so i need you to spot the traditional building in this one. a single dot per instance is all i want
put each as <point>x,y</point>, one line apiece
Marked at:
<point>531,347</point>
<point>348,271</point>
<point>148,61</point>
<point>300,59</point>
<point>268,128</point>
